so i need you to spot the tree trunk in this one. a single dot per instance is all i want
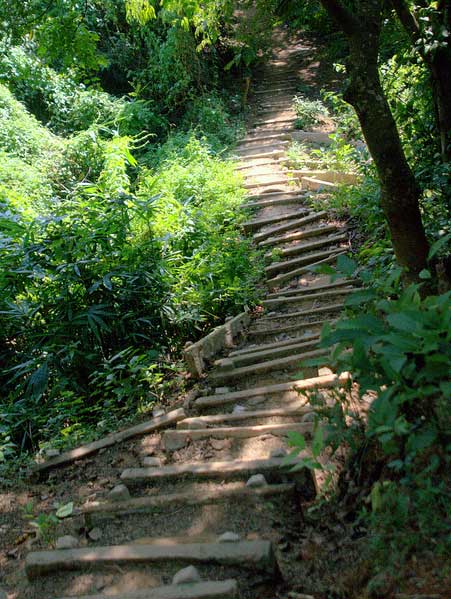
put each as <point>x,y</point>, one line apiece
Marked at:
<point>399,191</point>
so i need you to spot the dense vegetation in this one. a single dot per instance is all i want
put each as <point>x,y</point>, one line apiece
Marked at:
<point>119,235</point>
<point>118,224</point>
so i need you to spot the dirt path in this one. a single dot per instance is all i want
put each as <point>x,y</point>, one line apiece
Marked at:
<point>210,491</point>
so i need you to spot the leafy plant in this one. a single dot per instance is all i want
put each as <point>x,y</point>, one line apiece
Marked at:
<point>308,112</point>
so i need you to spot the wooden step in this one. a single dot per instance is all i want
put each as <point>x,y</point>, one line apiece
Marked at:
<point>257,138</point>
<point>191,497</point>
<point>320,382</point>
<point>282,201</point>
<point>276,281</point>
<point>209,589</point>
<point>318,184</point>
<point>292,361</point>
<point>284,301</point>
<point>280,180</point>
<point>323,229</point>
<point>262,235</point>
<point>235,418</point>
<point>267,195</point>
<point>262,150</point>
<point>300,248</point>
<point>268,154</point>
<point>250,554</point>
<point>264,222</point>
<point>176,439</point>
<point>293,263</point>
<point>272,468</point>
<point>270,353</point>
<point>287,120</point>
<point>273,91</point>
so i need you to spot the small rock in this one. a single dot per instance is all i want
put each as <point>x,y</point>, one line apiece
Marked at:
<point>229,537</point>
<point>257,480</point>
<point>278,452</point>
<point>52,453</point>
<point>222,390</point>
<point>219,444</point>
<point>66,542</point>
<point>151,462</point>
<point>119,493</point>
<point>103,482</point>
<point>95,534</point>
<point>44,496</point>
<point>189,574</point>
<point>157,412</point>
<point>324,371</point>
<point>238,409</point>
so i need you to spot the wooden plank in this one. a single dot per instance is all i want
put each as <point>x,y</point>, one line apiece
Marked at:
<point>294,299</point>
<point>300,261</point>
<point>215,419</point>
<point>275,282</point>
<point>289,226</point>
<point>305,234</point>
<point>300,248</point>
<point>271,353</point>
<point>253,554</point>
<point>263,222</point>
<point>302,313</point>
<point>134,431</point>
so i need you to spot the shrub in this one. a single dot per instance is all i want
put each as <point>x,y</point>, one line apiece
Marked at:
<point>308,112</point>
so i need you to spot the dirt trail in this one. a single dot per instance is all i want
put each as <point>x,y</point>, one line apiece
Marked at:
<point>198,485</point>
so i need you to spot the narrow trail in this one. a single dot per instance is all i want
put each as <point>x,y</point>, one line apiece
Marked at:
<point>212,492</point>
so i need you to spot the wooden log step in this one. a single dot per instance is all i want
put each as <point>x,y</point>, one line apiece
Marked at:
<point>268,154</point>
<point>313,288</point>
<point>84,450</point>
<point>300,248</point>
<point>272,91</point>
<point>285,120</point>
<point>276,281</point>
<point>191,497</point>
<point>274,231</point>
<point>284,349</point>
<point>235,418</point>
<point>251,554</point>
<point>294,328</point>
<point>303,313</point>
<point>321,382</point>
<point>292,361</point>
<point>250,164</point>
<point>264,172</point>
<point>300,261</point>
<point>304,234</point>
<point>176,439</point>
<point>272,468</point>
<point>276,344</point>
<point>263,222</point>
<point>305,298</point>
<point>209,589</point>
<point>317,184</point>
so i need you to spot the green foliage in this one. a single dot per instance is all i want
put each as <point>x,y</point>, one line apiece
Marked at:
<point>308,112</point>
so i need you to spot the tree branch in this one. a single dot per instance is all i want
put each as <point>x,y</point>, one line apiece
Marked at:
<point>408,20</point>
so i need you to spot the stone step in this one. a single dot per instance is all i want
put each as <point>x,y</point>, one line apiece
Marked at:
<point>337,177</point>
<point>83,451</point>
<point>251,164</point>
<point>293,361</point>
<point>305,234</point>
<point>317,184</point>
<point>270,353</point>
<point>191,497</point>
<point>273,194</point>
<point>299,261</point>
<point>313,288</point>
<point>209,589</point>
<point>286,120</point>
<point>276,344</point>
<point>274,231</point>
<point>176,439</point>
<point>269,182</point>
<point>274,154</point>
<point>235,418</point>
<point>301,248</point>
<point>280,201</point>
<point>272,468</point>
<point>294,387</point>
<point>276,281</point>
<point>319,138</point>
<point>263,149</point>
<point>271,303</point>
<point>273,91</point>
<point>251,554</point>
<point>303,313</point>
<point>294,328</point>
<point>264,136</point>
<point>269,220</point>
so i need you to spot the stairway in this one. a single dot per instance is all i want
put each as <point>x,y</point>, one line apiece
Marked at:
<point>203,517</point>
